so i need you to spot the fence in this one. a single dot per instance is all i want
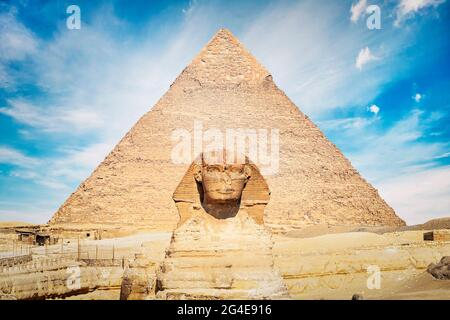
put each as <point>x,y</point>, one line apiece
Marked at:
<point>101,255</point>
<point>32,266</point>
<point>14,260</point>
<point>17,249</point>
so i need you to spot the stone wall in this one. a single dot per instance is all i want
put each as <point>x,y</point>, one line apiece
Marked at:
<point>15,260</point>
<point>57,277</point>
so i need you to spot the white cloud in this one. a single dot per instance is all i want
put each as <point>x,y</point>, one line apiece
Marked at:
<point>52,119</point>
<point>357,10</point>
<point>374,109</point>
<point>381,155</point>
<point>408,8</point>
<point>418,97</point>
<point>345,123</point>
<point>16,41</point>
<point>57,172</point>
<point>79,162</point>
<point>95,81</point>
<point>190,7</point>
<point>315,71</point>
<point>12,156</point>
<point>24,174</point>
<point>420,195</point>
<point>57,177</point>
<point>364,57</point>
<point>400,164</point>
<point>5,80</point>
<point>442,156</point>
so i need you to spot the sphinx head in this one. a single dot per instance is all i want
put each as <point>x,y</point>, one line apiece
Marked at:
<point>222,181</point>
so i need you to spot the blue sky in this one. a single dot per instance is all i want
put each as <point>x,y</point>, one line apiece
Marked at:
<point>68,96</point>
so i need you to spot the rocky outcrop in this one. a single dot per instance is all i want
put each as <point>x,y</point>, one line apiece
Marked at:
<point>139,279</point>
<point>43,278</point>
<point>59,277</point>
<point>440,270</point>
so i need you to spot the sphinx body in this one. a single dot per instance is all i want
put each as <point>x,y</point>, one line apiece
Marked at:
<point>225,259</point>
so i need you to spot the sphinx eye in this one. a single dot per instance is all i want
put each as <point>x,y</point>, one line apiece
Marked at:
<point>213,169</point>
<point>236,170</point>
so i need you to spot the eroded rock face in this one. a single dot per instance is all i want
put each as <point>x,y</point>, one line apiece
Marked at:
<point>139,280</point>
<point>45,278</point>
<point>440,270</point>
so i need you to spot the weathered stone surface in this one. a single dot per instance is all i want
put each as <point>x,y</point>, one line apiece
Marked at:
<point>43,278</point>
<point>220,259</point>
<point>440,270</point>
<point>208,257</point>
<point>56,277</point>
<point>336,265</point>
<point>225,87</point>
<point>15,260</point>
<point>139,280</point>
<point>437,235</point>
<point>255,195</point>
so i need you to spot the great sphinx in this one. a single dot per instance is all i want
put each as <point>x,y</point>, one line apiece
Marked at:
<point>220,248</point>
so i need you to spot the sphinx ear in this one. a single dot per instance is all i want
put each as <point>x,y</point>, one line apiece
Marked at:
<point>247,172</point>
<point>198,173</point>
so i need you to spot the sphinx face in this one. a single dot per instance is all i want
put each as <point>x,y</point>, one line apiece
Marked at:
<point>223,183</point>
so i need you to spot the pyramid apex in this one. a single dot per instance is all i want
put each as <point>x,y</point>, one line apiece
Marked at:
<point>225,62</point>
<point>224,32</point>
<point>225,35</point>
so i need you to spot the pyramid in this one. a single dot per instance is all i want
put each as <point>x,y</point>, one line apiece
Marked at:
<point>224,87</point>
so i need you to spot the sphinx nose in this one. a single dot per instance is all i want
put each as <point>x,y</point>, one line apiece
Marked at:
<point>227,179</point>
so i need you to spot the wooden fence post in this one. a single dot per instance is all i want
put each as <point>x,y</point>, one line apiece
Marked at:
<point>78,248</point>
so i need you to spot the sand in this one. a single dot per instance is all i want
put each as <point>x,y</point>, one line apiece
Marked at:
<point>336,266</point>
<point>326,266</point>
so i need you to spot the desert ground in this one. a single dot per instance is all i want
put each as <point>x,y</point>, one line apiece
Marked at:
<point>315,263</point>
